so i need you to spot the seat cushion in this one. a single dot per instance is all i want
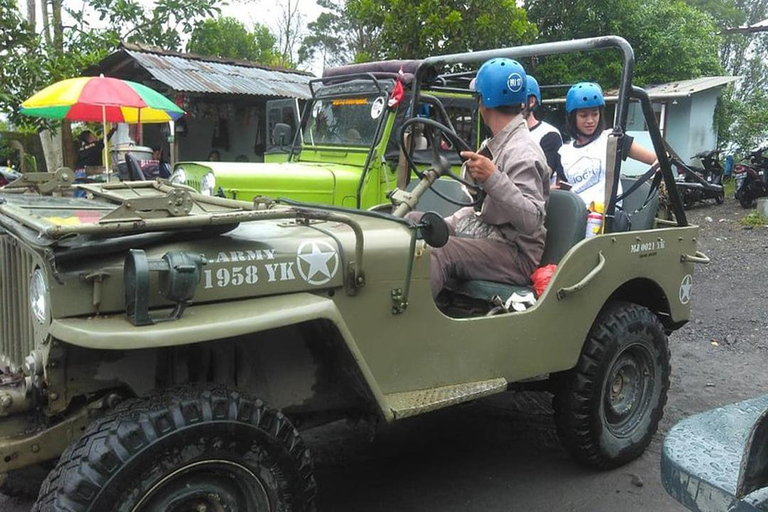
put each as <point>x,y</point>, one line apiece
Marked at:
<point>487,290</point>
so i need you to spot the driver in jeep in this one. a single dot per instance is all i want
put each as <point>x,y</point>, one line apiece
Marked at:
<point>502,238</point>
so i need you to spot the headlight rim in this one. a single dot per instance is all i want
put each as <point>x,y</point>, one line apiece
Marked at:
<point>38,289</point>
<point>204,182</point>
<point>179,176</point>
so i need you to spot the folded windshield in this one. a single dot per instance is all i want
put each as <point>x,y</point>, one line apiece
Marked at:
<point>347,121</point>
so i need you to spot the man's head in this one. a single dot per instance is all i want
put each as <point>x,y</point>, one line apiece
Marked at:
<point>87,137</point>
<point>214,156</point>
<point>533,93</point>
<point>501,85</point>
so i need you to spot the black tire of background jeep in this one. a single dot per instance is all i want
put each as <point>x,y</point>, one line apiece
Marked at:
<point>608,407</point>
<point>184,449</point>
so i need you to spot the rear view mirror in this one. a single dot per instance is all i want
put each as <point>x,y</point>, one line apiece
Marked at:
<point>433,229</point>
<point>281,134</point>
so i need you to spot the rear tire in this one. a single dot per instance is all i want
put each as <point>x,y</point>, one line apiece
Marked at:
<point>720,198</point>
<point>184,449</point>
<point>609,406</point>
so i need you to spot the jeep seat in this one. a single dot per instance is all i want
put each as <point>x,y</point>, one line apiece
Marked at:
<point>566,225</point>
<point>640,217</point>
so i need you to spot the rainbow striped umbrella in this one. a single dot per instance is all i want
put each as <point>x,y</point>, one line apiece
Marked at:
<point>101,99</point>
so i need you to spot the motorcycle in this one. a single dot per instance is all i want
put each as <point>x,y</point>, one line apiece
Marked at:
<point>696,183</point>
<point>7,175</point>
<point>752,180</point>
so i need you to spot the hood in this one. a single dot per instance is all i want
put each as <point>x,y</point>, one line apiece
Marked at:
<point>312,182</point>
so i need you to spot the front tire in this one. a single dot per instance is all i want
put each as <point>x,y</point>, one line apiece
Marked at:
<point>609,406</point>
<point>184,449</point>
<point>720,197</point>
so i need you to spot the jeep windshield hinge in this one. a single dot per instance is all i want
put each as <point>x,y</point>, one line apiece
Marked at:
<point>175,203</point>
<point>45,183</point>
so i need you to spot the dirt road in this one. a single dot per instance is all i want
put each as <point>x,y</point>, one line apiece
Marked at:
<point>502,454</point>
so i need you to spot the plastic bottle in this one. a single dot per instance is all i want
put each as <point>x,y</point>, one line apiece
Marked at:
<point>594,219</point>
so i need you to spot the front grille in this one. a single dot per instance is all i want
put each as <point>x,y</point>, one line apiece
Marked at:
<point>195,184</point>
<point>16,328</point>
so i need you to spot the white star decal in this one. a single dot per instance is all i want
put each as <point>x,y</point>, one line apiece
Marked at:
<point>685,289</point>
<point>320,258</point>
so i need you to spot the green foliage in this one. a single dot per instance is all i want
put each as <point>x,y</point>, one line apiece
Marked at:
<point>362,30</point>
<point>31,61</point>
<point>754,219</point>
<point>742,124</point>
<point>671,39</point>
<point>227,37</point>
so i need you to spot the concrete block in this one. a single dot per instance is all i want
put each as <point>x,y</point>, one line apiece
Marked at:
<point>762,206</point>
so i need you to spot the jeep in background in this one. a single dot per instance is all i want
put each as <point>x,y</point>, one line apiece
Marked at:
<point>345,151</point>
<point>165,350</point>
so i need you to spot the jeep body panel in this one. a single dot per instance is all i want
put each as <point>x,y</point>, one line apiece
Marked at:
<point>442,351</point>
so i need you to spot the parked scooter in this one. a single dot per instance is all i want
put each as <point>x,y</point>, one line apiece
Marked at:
<point>696,183</point>
<point>752,180</point>
<point>8,175</point>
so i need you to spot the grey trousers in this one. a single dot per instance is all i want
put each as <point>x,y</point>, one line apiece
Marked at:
<point>478,258</point>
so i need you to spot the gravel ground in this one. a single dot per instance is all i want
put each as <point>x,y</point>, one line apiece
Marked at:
<point>502,454</point>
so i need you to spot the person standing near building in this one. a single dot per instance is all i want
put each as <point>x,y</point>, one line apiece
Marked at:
<point>546,135</point>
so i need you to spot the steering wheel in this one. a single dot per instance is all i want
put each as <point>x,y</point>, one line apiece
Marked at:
<point>440,163</point>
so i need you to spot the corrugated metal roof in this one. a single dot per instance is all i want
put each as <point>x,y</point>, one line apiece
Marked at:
<point>188,75</point>
<point>680,89</point>
<point>687,87</point>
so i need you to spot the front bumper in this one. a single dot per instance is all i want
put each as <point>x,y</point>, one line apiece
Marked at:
<point>706,457</point>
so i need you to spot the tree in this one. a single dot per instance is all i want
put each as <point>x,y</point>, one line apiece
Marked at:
<point>671,39</point>
<point>740,120</point>
<point>227,37</point>
<point>361,30</point>
<point>290,28</point>
<point>63,51</point>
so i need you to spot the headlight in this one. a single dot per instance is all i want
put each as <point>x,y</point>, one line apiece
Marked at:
<point>179,176</point>
<point>38,296</point>
<point>208,185</point>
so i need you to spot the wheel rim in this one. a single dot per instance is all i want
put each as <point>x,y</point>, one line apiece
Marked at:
<point>206,486</point>
<point>629,390</point>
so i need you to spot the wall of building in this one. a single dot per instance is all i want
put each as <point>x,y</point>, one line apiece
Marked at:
<point>235,131</point>
<point>702,134</point>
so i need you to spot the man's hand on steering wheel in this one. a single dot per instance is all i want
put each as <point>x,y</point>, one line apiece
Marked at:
<point>479,166</point>
<point>440,163</point>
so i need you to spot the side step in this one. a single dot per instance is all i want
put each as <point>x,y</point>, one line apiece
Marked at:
<point>412,403</point>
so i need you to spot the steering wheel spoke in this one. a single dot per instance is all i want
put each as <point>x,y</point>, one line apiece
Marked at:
<point>440,162</point>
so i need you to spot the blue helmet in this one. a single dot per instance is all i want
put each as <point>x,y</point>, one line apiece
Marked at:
<point>533,89</point>
<point>501,82</point>
<point>584,95</point>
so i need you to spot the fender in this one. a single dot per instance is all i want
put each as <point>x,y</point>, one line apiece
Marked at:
<point>214,321</point>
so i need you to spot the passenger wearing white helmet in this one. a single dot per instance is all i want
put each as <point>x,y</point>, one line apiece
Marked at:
<point>503,238</point>
<point>584,159</point>
<point>546,135</point>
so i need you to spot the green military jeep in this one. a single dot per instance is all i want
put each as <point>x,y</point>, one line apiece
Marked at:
<point>345,152</point>
<point>165,350</point>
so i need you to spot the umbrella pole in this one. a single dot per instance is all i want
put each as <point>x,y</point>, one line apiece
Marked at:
<point>106,139</point>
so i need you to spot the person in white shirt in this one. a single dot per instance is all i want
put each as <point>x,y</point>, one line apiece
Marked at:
<point>584,158</point>
<point>543,133</point>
